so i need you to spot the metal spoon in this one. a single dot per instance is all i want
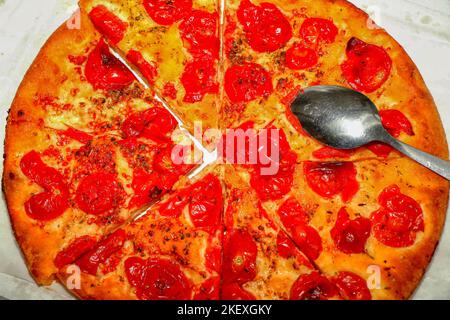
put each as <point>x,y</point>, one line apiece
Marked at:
<point>345,119</point>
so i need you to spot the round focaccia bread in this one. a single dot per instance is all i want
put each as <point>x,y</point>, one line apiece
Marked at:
<point>86,147</point>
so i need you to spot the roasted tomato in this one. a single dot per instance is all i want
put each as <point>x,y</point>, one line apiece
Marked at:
<point>166,12</point>
<point>330,179</point>
<point>313,286</point>
<point>239,257</point>
<point>399,219</point>
<point>108,24</point>
<point>367,66</point>
<point>157,279</point>
<point>351,286</point>
<point>265,26</point>
<point>247,82</point>
<point>54,200</point>
<point>350,236</point>
<point>104,71</point>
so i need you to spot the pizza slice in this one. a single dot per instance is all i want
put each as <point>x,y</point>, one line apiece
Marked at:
<point>369,224</point>
<point>259,260</point>
<point>274,49</point>
<point>171,252</point>
<point>175,46</point>
<point>86,147</point>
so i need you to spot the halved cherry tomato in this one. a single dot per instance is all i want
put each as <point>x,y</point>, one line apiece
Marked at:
<point>331,153</point>
<point>54,200</point>
<point>206,204</point>
<point>247,82</point>
<point>166,12</point>
<point>74,250</point>
<point>271,187</point>
<point>317,30</point>
<point>209,290</point>
<point>98,193</point>
<point>90,261</point>
<point>398,220</point>
<point>352,287</point>
<point>233,291</point>
<point>75,134</point>
<point>330,179</point>
<point>173,206</point>
<point>395,123</point>
<point>157,279</point>
<point>104,71</point>
<point>239,257</point>
<point>265,26</point>
<point>108,24</point>
<point>148,69</point>
<point>199,78</point>
<point>367,66</point>
<point>292,214</point>
<point>154,123</point>
<point>46,206</point>
<point>300,57</point>
<point>145,188</point>
<point>200,30</point>
<point>312,286</point>
<point>285,247</point>
<point>308,240</point>
<point>350,236</point>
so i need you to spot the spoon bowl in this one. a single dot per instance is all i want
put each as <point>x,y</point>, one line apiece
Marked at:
<point>338,117</point>
<point>343,118</point>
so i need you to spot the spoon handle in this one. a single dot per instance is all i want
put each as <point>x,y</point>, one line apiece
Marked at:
<point>433,163</point>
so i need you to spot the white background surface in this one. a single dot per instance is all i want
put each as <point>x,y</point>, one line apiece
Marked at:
<point>422,27</point>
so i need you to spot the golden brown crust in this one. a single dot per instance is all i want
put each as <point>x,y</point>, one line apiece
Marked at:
<point>31,127</point>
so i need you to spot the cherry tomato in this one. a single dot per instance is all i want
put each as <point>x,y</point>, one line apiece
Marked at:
<point>329,179</point>
<point>199,29</point>
<point>285,247</point>
<point>312,286</point>
<point>108,24</point>
<point>157,279</point>
<point>308,240</point>
<point>209,290</point>
<point>154,123</point>
<point>239,260</point>
<point>300,57</point>
<point>199,78</point>
<point>98,193</point>
<point>46,206</point>
<point>106,72</point>
<point>247,82</point>
<point>74,250</point>
<point>352,287</point>
<point>331,153</point>
<point>166,12</point>
<point>90,261</point>
<point>75,134</point>
<point>265,26</point>
<point>367,66</point>
<point>350,236</point>
<point>54,200</point>
<point>145,188</point>
<point>291,213</point>
<point>317,30</point>
<point>148,69</point>
<point>233,291</point>
<point>398,220</point>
